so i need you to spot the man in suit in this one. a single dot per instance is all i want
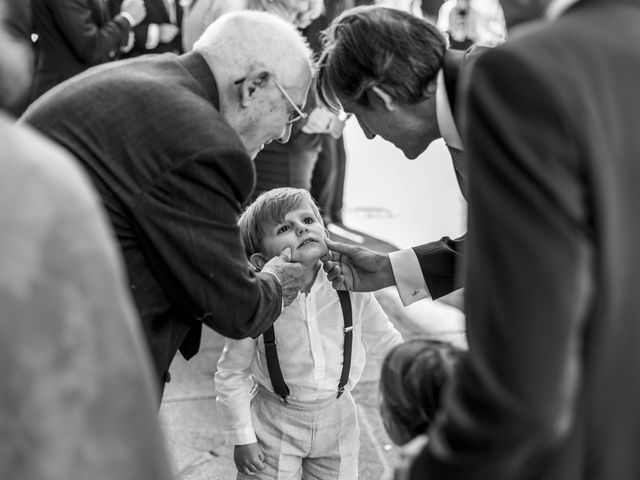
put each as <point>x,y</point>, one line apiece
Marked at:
<point>551,388</point>
<point>392,71</point>
<point>74,35</point>
<point>169,141</point>
<point>77,395</point>
<point>159,32</point>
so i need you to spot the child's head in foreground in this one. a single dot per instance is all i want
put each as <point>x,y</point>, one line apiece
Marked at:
<point>280,218</point>
<point>413,377</point>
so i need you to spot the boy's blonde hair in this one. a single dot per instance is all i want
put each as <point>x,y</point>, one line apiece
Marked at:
<point>271,207</point>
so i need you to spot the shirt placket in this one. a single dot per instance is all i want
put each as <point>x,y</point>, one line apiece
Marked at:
<point>315,341</point>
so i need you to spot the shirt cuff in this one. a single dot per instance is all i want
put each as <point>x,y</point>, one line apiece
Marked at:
<point>129,18</point>
<point>408,276</point>
<point>279,283</point>
<point>153,36</point>
<point>243,436</point>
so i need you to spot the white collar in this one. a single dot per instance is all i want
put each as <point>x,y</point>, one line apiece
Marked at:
<point>558,7</point>
<point>446,123</point>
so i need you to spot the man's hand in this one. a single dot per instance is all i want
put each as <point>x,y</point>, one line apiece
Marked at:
<point>168,32</point>
<point>290,275</point>
<point>357,268</point>
<point>249,458</point>
<point>136,9</point>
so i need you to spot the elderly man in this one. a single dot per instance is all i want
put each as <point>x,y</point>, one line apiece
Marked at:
<point>393,72</point>
<point>165,141</point>
<point>551,388</point>
<point>77,395</point>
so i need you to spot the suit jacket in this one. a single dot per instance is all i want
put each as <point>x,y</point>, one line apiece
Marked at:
<point>73,35</point>
<point>173,176</point>
<point>551,389</point>
<point>440,260</point>
<point>157,13</point>
<point>78,389</point>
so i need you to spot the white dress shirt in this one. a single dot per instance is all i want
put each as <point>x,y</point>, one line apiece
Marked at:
<point>404,263</point>
<point>310,339</point>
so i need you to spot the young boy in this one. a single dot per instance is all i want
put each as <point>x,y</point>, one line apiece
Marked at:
<point>285,401</point>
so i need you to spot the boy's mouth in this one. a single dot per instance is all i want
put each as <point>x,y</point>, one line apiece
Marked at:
<point>307,242</point>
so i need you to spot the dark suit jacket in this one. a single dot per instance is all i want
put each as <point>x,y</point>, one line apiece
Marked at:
<point>73,36</point>
<point>551,389</point>
<point>156,13</point>
<point>439,260</point>
<point>173,176</point>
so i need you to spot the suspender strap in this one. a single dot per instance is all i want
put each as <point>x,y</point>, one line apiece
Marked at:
<point>273,365</point>
<point>271,352</point>
<point>345,303</point>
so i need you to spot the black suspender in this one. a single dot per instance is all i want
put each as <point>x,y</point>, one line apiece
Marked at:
<point>273,365</point>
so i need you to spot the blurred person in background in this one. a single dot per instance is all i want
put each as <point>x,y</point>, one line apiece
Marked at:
<point>471,22</point>
<point>74,35</point>
<point>18,25</point>
<point>159,32</point>
<point>392,71</point>
<point>168,142</point>
<point>77,397</point>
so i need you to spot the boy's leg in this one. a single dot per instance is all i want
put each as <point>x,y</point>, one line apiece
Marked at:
<point>283,436</point>
<point>336,442</point>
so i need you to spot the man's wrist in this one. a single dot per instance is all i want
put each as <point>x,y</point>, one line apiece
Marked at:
<point>279,286</point>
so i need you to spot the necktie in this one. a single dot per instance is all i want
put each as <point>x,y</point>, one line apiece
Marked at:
<point>457,158</point>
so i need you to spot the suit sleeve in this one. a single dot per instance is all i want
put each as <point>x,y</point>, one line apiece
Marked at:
<point>530,278</point>
<point>91,43</point>
<point>187,226</point>
<point>439,262</point>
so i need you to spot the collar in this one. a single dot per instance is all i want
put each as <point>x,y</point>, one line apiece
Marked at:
<point>558,7</point>
<point>198,68</point>
<point>446,124</point>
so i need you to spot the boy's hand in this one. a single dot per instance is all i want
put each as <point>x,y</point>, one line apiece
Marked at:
<point>249,458</point>
<point>290,275</point>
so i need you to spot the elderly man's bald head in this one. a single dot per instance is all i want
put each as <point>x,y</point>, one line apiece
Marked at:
<point>241,41</point>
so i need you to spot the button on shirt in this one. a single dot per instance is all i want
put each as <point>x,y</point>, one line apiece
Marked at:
<point>309,337</point>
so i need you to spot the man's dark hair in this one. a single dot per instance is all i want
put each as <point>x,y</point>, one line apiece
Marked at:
<point>377,46</point>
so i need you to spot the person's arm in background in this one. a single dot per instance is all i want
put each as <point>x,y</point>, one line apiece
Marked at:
<point>530,280</point>
<point>91,43</point>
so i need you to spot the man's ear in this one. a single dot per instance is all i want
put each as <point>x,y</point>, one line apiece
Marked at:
<point>379,97</point>
<point>258,261</point>
<point>251,85</point>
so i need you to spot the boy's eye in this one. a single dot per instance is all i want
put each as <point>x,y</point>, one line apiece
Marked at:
<point>283,229</point>
<point>309,220</point>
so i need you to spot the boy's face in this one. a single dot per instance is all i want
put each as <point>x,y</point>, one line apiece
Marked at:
<point>301,231</point>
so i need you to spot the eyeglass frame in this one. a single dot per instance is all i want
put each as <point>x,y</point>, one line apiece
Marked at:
<point>300,114</point>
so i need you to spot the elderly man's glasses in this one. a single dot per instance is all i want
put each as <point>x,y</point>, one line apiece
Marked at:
<point>297,114</point>
<point>294,116</point>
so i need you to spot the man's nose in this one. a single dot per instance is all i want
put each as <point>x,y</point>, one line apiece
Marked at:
<point>286,134</point>
<point>366,130</point>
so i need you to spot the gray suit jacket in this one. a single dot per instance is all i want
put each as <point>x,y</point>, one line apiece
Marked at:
<point>173,176</point>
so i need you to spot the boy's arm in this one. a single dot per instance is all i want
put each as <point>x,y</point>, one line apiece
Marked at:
<point>378,332</point>
<point>233,388</point>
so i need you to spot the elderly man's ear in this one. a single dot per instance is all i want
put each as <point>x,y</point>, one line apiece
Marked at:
<point>252,84</point>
